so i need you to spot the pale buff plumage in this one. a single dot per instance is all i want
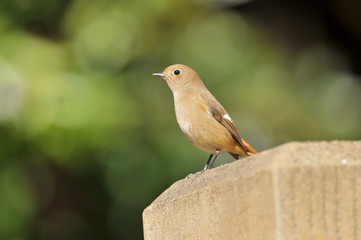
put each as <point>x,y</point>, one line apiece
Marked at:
<point>203,120</point>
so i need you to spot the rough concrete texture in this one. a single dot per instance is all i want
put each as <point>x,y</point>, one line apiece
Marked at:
<point>309,190</point>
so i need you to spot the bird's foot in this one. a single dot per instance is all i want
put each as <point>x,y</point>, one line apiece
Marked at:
<point>196,174</point>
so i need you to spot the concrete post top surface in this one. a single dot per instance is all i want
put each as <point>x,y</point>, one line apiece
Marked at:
<point>288,155</point>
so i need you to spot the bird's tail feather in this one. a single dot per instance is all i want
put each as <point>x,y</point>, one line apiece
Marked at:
<point>250,150</point>
<point>240,151</point>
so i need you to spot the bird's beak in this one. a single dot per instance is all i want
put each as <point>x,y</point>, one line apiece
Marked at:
<point>158,74</point>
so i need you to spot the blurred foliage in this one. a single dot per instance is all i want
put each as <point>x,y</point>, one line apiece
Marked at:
<point>88,138</point>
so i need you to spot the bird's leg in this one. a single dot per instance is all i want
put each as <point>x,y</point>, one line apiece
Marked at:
<point>204,169</point>
<point>214,159</point>
<point>207,164</point>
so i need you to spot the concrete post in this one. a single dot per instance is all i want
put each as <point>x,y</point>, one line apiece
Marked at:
<point>309,190</point>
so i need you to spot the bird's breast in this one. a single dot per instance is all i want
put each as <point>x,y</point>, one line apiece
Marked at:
<point>190,114</point>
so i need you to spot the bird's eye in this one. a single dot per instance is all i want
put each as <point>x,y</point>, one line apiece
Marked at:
<point>176,72</point>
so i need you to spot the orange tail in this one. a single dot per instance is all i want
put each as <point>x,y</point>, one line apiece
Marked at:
<point>250,150</point>
<point>237,150</point>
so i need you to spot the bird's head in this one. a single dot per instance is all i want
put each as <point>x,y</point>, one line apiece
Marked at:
<point>179,76</point>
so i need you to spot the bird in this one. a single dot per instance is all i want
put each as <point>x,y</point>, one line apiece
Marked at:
<point>202,119</point>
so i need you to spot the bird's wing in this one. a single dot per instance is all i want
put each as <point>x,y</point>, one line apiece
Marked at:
<point>221,115</point>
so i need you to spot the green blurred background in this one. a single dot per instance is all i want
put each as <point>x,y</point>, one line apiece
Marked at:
<point>88,137</point>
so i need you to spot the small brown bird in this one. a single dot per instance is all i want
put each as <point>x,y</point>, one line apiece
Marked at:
<point>203,120</point>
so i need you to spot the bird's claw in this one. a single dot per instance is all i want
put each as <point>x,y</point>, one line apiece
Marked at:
<point>196,174</point>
